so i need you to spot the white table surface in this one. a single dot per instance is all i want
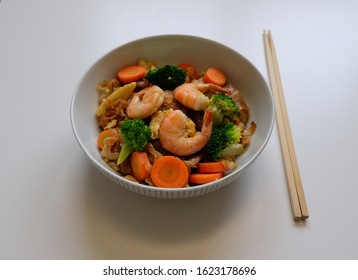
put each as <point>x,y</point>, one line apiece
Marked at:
<point>55,205</point>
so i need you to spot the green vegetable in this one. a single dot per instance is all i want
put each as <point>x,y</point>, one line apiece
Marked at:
<point>222,107</point>
<point>136,135</point>
<point>166,77</point>
<point>224,141</point>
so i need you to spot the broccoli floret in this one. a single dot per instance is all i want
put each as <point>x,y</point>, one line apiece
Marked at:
<point>222,106</point>
<point>166,77</point>
<point>224,141</point>
<point>136,135</point>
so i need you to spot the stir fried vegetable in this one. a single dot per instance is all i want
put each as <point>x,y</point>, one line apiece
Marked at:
<point>222,107</point>
<point>166,77</point>
<point>135,137</point>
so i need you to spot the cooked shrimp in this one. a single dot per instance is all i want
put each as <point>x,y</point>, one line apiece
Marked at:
<point>145,102</point>
<point>192,95</point>
<point>174,136</point>
<point>205,87</point>
<point>188,95</point>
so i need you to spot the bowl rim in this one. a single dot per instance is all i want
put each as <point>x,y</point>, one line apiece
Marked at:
<point>153,188</point>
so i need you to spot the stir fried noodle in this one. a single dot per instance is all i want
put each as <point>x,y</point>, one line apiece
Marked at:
<point>171,112</point>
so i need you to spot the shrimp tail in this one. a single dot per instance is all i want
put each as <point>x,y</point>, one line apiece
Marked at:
<point>207,123</point>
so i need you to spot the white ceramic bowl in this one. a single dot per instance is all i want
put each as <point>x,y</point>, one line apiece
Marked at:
<point>173,49</point>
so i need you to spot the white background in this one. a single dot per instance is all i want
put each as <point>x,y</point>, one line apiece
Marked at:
<point>55,205</point>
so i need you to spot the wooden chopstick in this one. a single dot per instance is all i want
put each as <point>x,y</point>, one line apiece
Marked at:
<point>296,192</point>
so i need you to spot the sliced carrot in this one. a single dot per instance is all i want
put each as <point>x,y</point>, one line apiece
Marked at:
<point>211,167</point>
<point>214,76</point>
<point>204,178</point>
<point>131,73</point>
<point>169,172</point>
<point>112,132</point>
<point>140,165</point>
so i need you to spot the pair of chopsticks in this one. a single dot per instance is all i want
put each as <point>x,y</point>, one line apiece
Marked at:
<point>296,193</point>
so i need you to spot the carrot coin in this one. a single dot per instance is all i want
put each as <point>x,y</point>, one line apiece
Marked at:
<point>104,134</point>
<point>204,178</point>
<point>169,172</point>
<point>131,73</point>
<point>211,167</point>
<point>140,165</point>
<point>214,76</point>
